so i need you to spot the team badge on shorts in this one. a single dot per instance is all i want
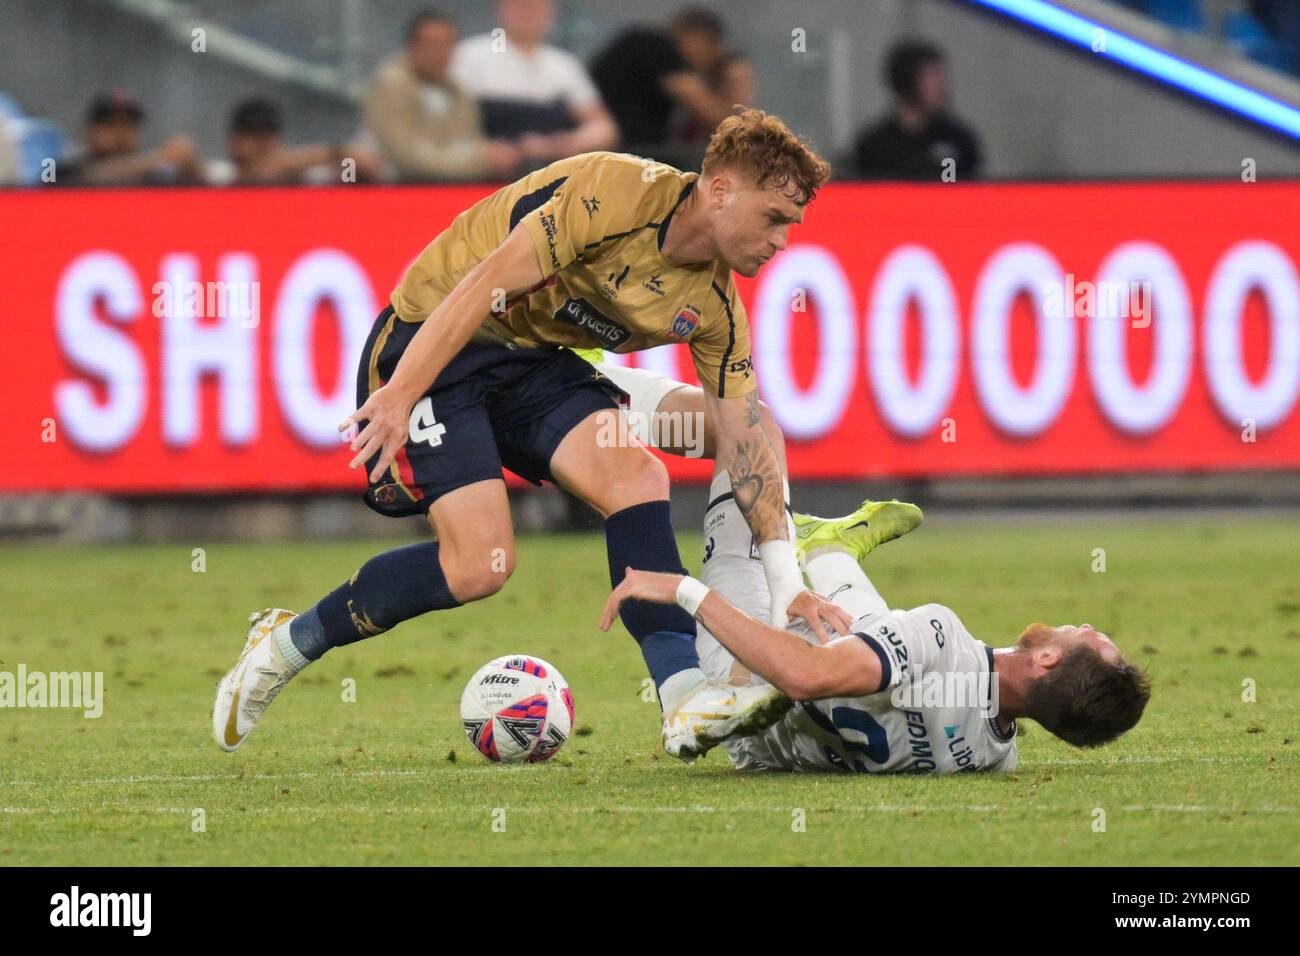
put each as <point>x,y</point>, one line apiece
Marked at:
<point>687,321</point>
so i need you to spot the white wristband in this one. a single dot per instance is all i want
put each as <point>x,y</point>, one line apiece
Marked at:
<point>690,594</point>
<point>781,567</point>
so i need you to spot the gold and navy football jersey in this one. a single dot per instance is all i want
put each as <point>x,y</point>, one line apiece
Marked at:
<point>597,222</point>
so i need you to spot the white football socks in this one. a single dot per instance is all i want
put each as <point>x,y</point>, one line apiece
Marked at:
<point>676,688</point>
<point>838,576</point>
<point>288,650</point>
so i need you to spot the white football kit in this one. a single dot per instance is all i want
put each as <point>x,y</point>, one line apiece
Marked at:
<point>936,710</point>
<point>946,727</point>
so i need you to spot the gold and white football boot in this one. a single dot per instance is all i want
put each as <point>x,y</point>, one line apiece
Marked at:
<point>259,674</point>
<point>715,712</point>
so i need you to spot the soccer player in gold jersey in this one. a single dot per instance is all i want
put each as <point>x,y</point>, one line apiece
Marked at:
<point>465,372</point>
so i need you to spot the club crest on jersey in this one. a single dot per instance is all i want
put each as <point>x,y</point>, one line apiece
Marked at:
<point>687,321</point>
<point>389,493</point>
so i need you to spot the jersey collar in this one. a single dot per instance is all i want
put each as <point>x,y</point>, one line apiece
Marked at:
<point>663,226</point>
<point>994,727</point>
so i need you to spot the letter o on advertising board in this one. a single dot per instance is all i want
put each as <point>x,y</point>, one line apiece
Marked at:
<point>330,275</point>
<point>812,413</point>
<point>1016,268</point>
<point>1139,409</point>
<point>913,272</point>
<point>1243,267</point>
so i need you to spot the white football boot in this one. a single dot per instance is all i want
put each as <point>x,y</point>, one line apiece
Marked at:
<point>716,711</point>
<point>257,677</point>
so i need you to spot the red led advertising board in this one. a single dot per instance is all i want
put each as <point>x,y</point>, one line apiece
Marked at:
<point>907,330</point>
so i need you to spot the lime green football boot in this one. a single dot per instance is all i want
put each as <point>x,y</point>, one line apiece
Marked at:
<point>860,532</point>
<point>594,356</point>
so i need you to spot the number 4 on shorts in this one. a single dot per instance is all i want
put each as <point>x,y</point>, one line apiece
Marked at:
<point>424,427</point>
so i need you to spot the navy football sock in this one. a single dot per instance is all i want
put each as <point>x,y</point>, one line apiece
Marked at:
<point>641,537</point>
<point>667,654</point>
<point>389,588</point>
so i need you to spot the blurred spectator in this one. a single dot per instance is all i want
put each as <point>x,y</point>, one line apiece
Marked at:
<point>919,134</point>
<point>31,148</point>
<point>644,77</point>
<point>532,94</point>
<point>700,39</point>
<point>1282,18</point>
<point>112,155</point>
<point>425,125</point>
<point>256,154</point>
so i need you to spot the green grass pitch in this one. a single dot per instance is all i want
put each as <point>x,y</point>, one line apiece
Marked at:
<point>1207,778</point>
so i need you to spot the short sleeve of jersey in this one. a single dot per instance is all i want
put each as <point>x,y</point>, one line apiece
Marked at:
<point>920,642</point>
<point>889,675</point>
<point>600,200</point>
<point>720,349</point>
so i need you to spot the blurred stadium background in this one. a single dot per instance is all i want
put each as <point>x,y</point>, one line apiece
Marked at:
<point>1151,145</point>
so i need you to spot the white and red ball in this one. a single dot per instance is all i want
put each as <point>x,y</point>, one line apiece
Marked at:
<point>517,708</point>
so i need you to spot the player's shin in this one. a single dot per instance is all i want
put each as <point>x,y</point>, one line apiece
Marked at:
<point>642,537</point>
<point>389,588</point>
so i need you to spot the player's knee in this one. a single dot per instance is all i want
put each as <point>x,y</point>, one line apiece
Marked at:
<point>481,573</point>
<point>647,480</point>
<point>475,585</point>
<point>632,477</point>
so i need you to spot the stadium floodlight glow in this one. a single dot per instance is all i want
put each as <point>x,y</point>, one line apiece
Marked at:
<point>1144,58</point>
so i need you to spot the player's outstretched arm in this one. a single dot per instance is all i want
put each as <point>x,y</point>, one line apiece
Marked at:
<point>512,268</point>
<point>846,667</point>
<point>745,450</point>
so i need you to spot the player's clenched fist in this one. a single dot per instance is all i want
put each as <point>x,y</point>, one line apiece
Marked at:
<point>387,414</point>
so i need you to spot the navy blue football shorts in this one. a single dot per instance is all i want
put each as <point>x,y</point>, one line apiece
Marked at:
<point>492,406</point>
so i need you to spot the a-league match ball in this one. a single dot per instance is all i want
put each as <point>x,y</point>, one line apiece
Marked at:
<point>517,708</point>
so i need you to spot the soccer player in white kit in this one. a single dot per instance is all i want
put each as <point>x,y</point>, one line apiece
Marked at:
<point>908,691</point>
<point>914,695</point>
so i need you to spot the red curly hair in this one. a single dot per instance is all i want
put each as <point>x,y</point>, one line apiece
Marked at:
<point>764,146</point>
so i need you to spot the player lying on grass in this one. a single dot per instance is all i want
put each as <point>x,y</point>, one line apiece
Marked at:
<point>463,373</point>
<point>657,407</point>
<point>908,690</point>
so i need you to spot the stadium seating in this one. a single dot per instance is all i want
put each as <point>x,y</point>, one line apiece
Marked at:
<point>1239,30</point>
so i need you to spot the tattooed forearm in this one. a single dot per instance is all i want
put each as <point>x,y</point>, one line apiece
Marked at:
<point>748,453</point>
<point>745,484</point>
<point>756,483</point>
